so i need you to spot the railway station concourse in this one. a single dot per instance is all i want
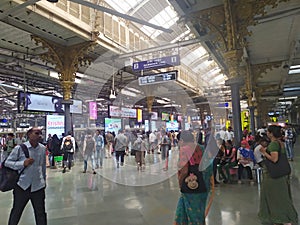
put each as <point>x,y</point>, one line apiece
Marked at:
<point>146,65</point>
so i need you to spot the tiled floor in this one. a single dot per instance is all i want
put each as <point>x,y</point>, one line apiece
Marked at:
<point>125,196</point>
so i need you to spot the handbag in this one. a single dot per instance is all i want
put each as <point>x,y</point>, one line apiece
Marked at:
<point>280,168</point>
<point>193,182</point>
<point>9,177</point>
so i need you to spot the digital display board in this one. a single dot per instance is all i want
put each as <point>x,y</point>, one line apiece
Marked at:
<point>158,78</point>
<point>45,103</point>
<point>172,125</point>
<point>165,116</point>
<point>112,125</point>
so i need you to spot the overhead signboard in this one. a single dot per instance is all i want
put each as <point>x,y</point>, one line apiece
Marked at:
<point>158,78</point>
<point>157,63</point>
<point>115,111</point>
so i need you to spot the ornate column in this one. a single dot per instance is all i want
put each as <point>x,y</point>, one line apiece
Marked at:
<point>150,100</point>
<point>235,84</point>
<point>67,60</point>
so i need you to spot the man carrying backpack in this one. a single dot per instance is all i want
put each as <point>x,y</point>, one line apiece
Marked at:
<point>89,148</point>
<point>32,181</point>
<point>68,148</point>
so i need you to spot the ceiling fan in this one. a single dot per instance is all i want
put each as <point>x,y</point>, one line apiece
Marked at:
<point>94,6</point>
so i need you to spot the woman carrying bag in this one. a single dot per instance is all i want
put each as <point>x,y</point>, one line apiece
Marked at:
<point>276,205</point>
<point>195,185</point>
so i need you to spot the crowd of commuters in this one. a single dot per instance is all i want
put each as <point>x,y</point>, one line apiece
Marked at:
<point>95,146</point>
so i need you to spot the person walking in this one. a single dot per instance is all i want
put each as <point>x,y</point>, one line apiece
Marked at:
<point>276,204</point>
<point>54,149</point>
<point>68,148</point>
<point>121,144</point>
<point>32,182</point>
<point>109,148</point>
<point>165,147</point>
<point>137,146</point>
<point>89,148</point>
<point>99,154</point>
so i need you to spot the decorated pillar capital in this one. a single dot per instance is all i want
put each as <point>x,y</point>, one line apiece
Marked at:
<point>150,100</point>
<point>232,59</point>
<point>67,60</point>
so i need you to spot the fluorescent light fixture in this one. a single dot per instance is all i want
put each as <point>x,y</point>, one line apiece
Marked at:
<point>53,74</point>
<point>128,93</point>
<point>81,75</point>
<point>294,71</point>
<point>292,89</point>
<point>295,67</point>
<point>161,101</point>
<point>288,98</point>
<point>10,86</point>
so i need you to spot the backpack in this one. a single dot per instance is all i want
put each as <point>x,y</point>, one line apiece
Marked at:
<point>68,145</point>
<point>137,145</point>
<point>90,144</point>
<point>290,134</point>
<point>9,177</point>
<point>167,141</point>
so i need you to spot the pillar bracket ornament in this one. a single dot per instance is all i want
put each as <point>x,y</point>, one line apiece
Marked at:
<point>67,60</point>
<point>259,69</point>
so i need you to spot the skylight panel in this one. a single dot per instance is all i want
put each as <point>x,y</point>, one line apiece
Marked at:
<point>181,36</point>
<point>122,6</point>
<point>165,18</point>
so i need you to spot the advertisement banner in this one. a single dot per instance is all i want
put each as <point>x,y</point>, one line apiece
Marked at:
<point>112,125</point>
<point>55,124</point>
<point>139,115</point>
<point>93,110</point>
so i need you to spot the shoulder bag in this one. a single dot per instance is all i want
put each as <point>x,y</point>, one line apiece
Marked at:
<point>193,182</point>
<point>9,177</point>
<point>280,168</point>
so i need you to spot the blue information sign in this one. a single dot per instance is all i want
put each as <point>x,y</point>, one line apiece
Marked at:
<point>163,62</point>
<point>158,78</point>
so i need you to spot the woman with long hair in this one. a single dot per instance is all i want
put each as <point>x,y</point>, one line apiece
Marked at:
<point>276,205</point>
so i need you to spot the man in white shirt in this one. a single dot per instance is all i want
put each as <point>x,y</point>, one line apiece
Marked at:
<point>230,134</point>
<point>32,182</point>
<point>153,141</point>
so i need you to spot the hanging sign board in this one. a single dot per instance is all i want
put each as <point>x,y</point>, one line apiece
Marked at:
<point>158,78</point>
<point>157,63</point>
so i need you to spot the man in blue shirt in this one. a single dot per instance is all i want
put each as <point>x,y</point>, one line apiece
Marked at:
<point>32,182</point>
<point>99,149</point>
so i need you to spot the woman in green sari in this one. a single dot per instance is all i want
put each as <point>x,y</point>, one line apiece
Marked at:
<point>276,205</point>
<point>192,207</point>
